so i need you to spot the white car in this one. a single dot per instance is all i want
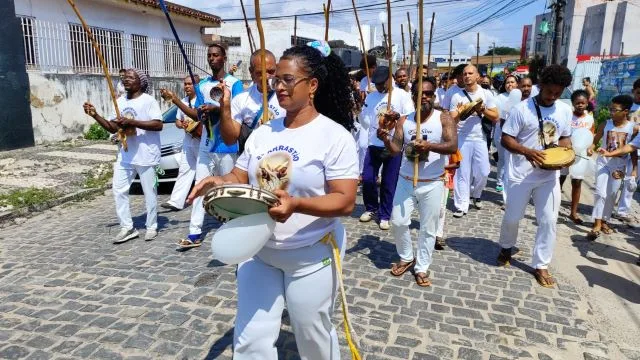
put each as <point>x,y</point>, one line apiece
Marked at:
<point>171,147</point>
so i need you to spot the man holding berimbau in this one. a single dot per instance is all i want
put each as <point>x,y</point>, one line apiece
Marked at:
<point>534,125</point>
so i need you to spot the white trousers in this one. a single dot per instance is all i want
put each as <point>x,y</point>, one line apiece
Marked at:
<point>427,196</point>
<point>471,177</point>
<point>626,197</point>
<point>604,197</point>
<point>123,176</point>
<point>443,212</point>
<point>187,172</point>
<point>305,280</point>
<point>546,197</point>
<point>216,164</point>
<point>502,155</point>
<point>363,146</point>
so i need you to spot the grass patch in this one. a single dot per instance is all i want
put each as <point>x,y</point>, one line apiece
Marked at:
<point>98,177</point>
<point>96,132</point>
<point>27,197</point>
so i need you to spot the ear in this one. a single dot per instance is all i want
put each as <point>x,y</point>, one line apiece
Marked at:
<point>313,85</point>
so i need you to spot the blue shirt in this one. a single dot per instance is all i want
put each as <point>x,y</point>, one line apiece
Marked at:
<point>212,141</point>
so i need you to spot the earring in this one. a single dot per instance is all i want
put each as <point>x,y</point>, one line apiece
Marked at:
<point>312,96</point>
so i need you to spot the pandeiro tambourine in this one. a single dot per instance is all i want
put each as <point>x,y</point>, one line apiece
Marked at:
<point>227,202</point>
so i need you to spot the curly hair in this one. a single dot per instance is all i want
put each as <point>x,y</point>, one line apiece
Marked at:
<point>582,93</point>
<point>556,75</point>
<point>333,98</point>
<point>625,101</point>
<point>636,84</point>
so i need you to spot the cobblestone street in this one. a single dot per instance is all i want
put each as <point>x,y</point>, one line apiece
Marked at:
<point>67,292</point>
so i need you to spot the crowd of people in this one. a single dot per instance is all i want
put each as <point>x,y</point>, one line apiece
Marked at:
<point>329,131</point>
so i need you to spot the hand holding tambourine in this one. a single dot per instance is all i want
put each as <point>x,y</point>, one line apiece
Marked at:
<point>387,120</point>
<point>167,95</point>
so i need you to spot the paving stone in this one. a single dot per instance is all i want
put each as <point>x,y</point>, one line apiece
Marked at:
<point>40,342</point>
<point>469,354</point>
<point>408,342</point>
<point>13,352</point>
<point>40,355</point>
<point>106,355</point>
<point>138,341</point>
<point>398,352</point>
<point>536,337</point>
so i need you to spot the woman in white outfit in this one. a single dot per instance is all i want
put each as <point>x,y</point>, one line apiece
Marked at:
<point>438,140</point>
<point>312,149</point>
<point>502,100</point>
<point>615,133</point>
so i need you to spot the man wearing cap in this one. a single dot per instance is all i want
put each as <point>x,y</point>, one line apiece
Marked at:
<point>375,107</point>
<point>215,157</point>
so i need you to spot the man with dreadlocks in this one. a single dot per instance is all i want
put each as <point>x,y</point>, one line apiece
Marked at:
<point>140,117</point>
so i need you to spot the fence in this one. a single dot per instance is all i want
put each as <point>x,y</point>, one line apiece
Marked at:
<point>65,48</point>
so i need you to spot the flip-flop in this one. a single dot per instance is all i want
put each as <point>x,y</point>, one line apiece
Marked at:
<point>576,220</point>
<point>422,279</point>
<point>544,281</point>
<point>593,235</point>
<point>188,244</point>
<point>607,230</point>
<point>397,269</point>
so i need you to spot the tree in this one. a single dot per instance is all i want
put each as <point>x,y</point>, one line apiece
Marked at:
<point>503,50</point>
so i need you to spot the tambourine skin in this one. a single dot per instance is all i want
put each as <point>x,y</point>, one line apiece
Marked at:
<point>468,109</point>
<point>558,158</point>
<point>194,128</point>
<point>227,202</point>
<point>410,153</point>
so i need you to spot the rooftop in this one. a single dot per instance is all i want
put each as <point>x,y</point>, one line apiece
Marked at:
<point>180,10</point>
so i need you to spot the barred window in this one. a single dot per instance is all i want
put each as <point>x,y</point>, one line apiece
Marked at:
<point>140,52</point>
<point>30,41</point>
<point>173,60</point>
<point>85,59</point>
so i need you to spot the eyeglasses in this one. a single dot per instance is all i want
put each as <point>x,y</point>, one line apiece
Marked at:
<point>614,110</point>
<point>289,81</point>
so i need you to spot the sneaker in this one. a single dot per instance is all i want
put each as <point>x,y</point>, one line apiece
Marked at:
<point>504,258</point>
<point>439,243</point>
<point>459,214</point>
<point>150,234</point>
<point>125,235</point>
<point>477,203</point>
<point>384,225</point>
<point>499,188</point>
<point>366,216</point>
<point>169,206</point>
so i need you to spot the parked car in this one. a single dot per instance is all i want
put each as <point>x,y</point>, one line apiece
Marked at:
<point>171,147</point>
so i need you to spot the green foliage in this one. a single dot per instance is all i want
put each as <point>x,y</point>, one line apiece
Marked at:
<point>503,50</point>
<point>601,115</point>
<point>27,197</point>
<point>96,132</point>
<point>99,177</point>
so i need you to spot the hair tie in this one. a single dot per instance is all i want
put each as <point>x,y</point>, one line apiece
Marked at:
<point>321,46</point>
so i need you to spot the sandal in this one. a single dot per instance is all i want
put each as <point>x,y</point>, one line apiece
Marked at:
<point>398,269</point>
<point>576,220</point>
<point>593,235</point>
<point>187,243</point>
<point>422,279</point>
<point>607,230</point>
<point>544,281</point>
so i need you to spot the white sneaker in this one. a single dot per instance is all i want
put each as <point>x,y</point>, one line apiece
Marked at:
<point>384,225</point>
<point>366,216</point>
<point>150,234</point>
<point>125,235</point>
<point>459,214</point>
<point>477,203</point>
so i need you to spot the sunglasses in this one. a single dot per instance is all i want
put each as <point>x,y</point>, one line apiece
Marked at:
<point>428,93</point>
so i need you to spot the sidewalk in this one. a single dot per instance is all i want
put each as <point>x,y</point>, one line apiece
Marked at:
<point>45,176</point>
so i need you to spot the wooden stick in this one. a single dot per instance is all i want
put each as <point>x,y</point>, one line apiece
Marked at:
<point>384,38</point>
<point>295,30</point>
<point>263,65</point>
<point>327,10</point>
<point>410,49</point>
<point>246,23</point>
<point>433,19</point>
<point>121,134</point>
<point>478,50</point>
<point>364,49</point>
<point>404,54</point>
<point>449,80</point>
<point>419,102</point>
<point>389,55</point>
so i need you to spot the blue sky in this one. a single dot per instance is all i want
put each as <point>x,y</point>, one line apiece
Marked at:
<point>506,31</point>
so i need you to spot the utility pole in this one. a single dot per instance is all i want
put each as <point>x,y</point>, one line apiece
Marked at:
<point>558,8</point>
<point>478,50</point>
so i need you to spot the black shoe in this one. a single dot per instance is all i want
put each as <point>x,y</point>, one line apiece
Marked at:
<point>439,243</point>
<point>477,203</point>
<point>459,213</point>
<point>169,206</point>
<point>504,258</point>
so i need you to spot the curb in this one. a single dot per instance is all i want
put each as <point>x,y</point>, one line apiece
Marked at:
<point>25,211</point>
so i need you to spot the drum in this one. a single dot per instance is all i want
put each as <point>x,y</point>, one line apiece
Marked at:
<point>557,158</point>
<point>410,153</point>
<point>388,122</point>
<point>193,128</point>
<point>227,202</point>
<point>469,109</point>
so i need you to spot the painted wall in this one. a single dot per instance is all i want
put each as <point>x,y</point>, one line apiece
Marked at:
<point>15,118</point>
<point>574,24</point>
<point>56,103</point>
<point>111,15</point>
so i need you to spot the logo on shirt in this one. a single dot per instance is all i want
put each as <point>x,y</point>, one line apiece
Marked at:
<point>550,132</point>
<point>274,171</point>
<point>129,113</point>
<point>616,140</point>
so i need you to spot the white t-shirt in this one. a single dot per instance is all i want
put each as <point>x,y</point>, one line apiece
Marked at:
<point>376,103</point>
<point>440,93</point>
<point>364,82</point>
<point>188,139</point>
<point>396,87</point>
<point>301,161</point>
<point>246,105</point>
<point>144,147</point>
<point>584,121</point>
<point>446,100</point>
<point>522,123</point>
<point>535,90</point>
<point>471,128</point>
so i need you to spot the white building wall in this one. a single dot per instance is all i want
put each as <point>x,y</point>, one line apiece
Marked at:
<point>631,31</point>
<point>574,24</point>
<point>113,16</point>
